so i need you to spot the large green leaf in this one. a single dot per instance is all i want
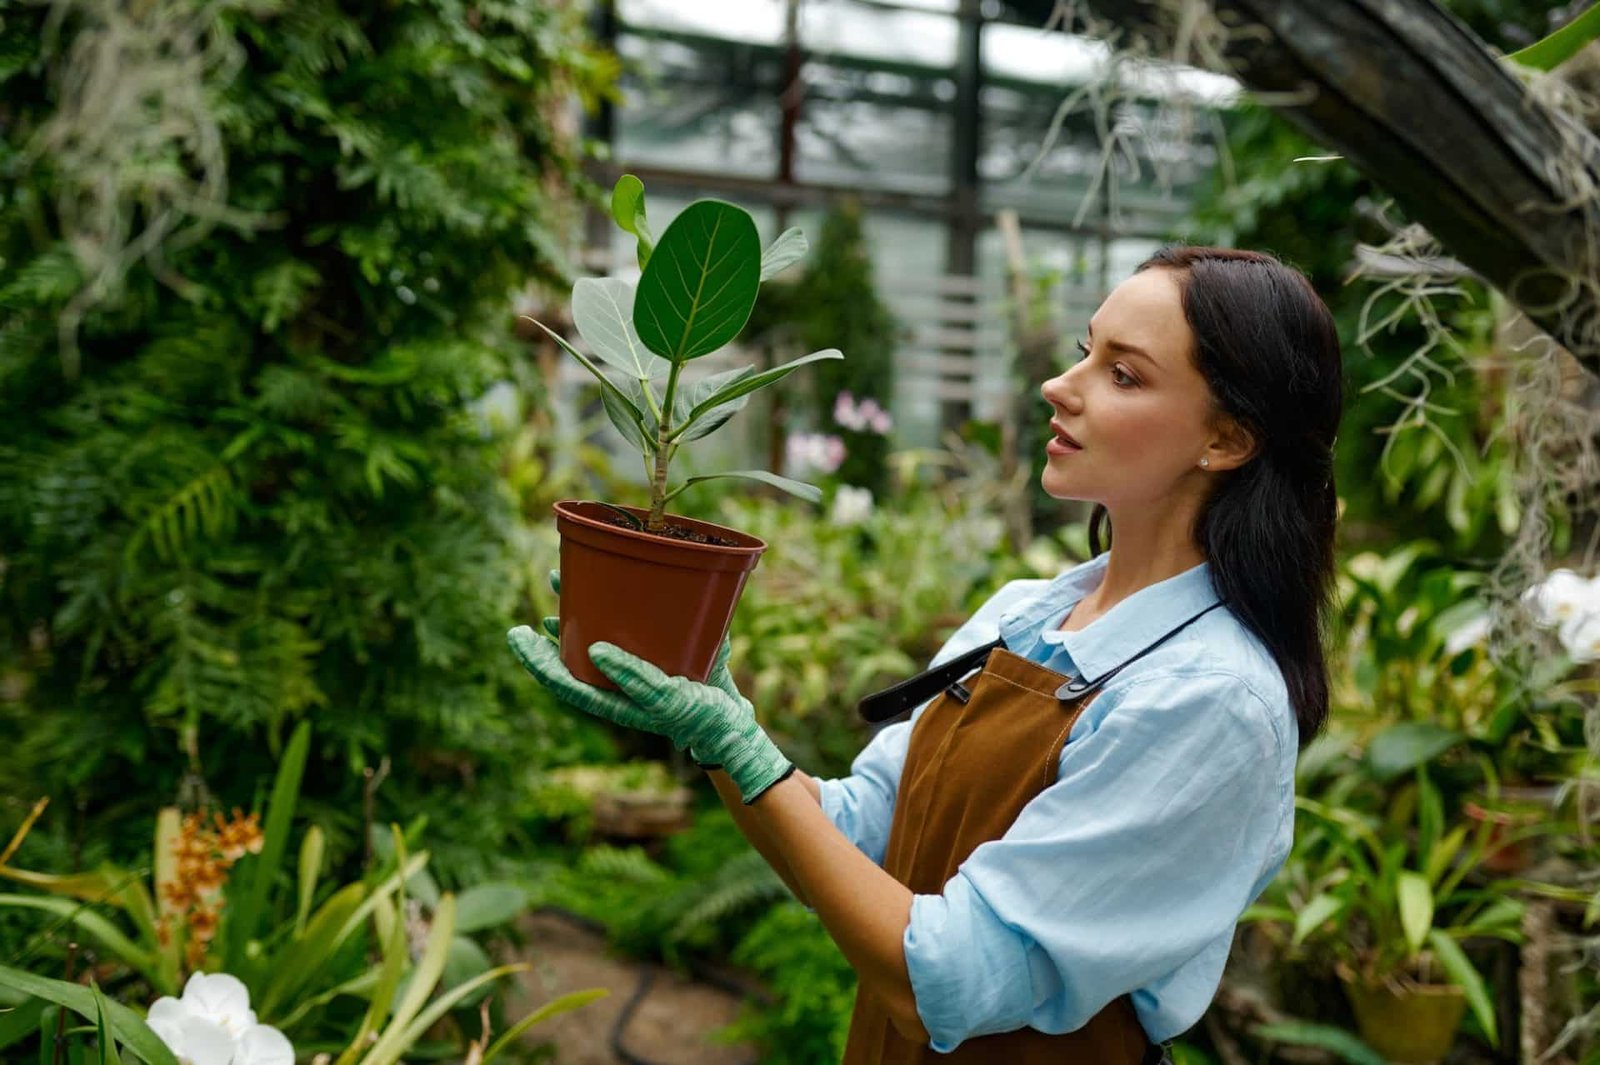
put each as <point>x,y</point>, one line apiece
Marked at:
<point>790,247</point>
<point>602,309</point>
<point>1401,748</point>
<point>700,285</point>
<point>743,386</point>
<point>627,210</point>
<point>1465,976</point>
<point>102,930</point>
<point>127,1027</point>
<point>1415,899</point>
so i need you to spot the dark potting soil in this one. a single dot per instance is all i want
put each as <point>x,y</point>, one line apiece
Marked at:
<point>677,532</point>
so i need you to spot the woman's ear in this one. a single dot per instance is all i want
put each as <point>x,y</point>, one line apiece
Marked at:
<point>1232,446</point>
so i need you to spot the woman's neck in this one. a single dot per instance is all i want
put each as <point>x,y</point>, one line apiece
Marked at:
<point>1134,565</point>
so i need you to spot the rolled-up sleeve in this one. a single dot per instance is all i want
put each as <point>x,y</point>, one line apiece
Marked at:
<point>1160,830</point>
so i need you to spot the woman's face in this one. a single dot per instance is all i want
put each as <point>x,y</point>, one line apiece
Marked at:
<point>1134,402</point>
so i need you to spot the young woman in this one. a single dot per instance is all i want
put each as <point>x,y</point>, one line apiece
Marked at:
<point>1047,861</point>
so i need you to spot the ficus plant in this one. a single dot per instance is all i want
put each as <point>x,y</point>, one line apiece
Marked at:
<point>697,287</point>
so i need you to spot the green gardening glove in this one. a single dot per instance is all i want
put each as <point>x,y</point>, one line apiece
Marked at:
<point>707,719</point>
<point>720,677</point>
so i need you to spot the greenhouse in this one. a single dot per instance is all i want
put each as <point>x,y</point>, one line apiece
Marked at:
<point>800,531</point>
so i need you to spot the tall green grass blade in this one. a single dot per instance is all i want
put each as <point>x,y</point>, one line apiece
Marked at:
<point>570,1001</point>
<point>248,902</point>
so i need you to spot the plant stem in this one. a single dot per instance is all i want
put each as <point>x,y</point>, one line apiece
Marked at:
<point>658,483</point>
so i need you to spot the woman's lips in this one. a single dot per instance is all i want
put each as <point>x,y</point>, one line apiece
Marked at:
<point>1060,443</point>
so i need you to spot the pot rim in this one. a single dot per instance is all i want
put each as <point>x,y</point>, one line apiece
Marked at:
<point>749,545</point>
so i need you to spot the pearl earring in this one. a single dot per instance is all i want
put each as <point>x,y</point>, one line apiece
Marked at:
<point>1205,462</point>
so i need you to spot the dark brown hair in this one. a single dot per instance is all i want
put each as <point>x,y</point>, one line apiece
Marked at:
<point>1268,347</point>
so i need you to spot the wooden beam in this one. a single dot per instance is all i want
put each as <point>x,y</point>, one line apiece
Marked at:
<point>1418,103</point>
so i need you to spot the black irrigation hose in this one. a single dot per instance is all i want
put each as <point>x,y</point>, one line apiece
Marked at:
<point>647,979</point>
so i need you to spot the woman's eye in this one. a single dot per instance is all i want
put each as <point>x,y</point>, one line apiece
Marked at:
<point>1117,371</point>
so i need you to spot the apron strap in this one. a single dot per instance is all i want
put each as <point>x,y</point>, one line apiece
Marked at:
<point>894,701</point>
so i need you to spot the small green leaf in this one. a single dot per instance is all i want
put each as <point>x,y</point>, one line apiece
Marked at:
<point>311,849</point>
<point>570,1001</point>
<point>745,385</point>
<point>809,492</point>
<point>488,905</point>
<point>700,285</point>
<point>607,386</point>
<point>602,309</point>
<point>627,210</point>
<point>1317,912</point>
<point>1401,748</point>
<point>1415,899</point>
<point>1337,1041</point>
<point>623,403</point>
<point>790,247</point>
<point>685,426</point>
<point>1465,976</point>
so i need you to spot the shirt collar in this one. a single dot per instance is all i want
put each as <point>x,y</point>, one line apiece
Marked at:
<point>1121,632</point>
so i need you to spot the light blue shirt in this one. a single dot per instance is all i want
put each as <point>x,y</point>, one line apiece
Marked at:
<point>1173,809</point>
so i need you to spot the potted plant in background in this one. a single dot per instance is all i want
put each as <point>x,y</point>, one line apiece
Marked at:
<point>660,586</point>
<point>1391,916</point>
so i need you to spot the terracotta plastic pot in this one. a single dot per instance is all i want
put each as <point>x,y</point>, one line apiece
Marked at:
<point>1410,1025</point>
<point>668,601</point>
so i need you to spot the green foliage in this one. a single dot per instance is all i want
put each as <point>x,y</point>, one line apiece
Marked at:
<point>813,988</point>
<point>265,496</point>
<point>698,900</point>
<point>836,303</point>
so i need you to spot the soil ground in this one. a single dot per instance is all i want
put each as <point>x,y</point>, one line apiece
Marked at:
<point>669,1027</point>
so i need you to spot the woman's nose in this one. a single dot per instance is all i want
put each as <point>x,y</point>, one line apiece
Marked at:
<point>1057,391</point>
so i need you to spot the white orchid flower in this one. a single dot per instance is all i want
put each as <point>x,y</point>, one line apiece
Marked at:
<point>213,1024</point>
<point>263,1045</point>
<point>851,505</point>
<point>1561,596</point>
<point>1581,637</point>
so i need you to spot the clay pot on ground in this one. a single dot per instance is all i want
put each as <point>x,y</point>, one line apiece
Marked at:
<point>666,598</point>
<point>635,815</point>
<point>1408,1023</point>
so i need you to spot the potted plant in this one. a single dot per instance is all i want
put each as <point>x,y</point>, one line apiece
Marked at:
<point>658,585</point>
<point>1390,908</point>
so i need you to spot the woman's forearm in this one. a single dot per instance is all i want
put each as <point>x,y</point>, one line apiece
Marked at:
<point>863,908</point>
<point>750,823</point>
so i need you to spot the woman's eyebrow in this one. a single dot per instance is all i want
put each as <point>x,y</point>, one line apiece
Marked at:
<point>1126,349</point>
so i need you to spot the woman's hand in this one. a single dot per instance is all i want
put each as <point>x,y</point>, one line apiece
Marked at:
<point>714,721</point>
<point>720,676</point>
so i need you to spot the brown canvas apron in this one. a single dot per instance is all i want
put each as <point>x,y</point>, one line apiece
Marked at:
<point>980,752</point>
